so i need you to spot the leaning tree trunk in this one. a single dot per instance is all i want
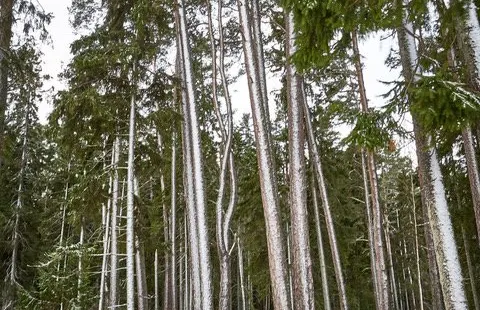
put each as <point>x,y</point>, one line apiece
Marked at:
<point>195,189</point>
<point>6,20</point>
<point>303,292</point>
<point>317,164</point>
<point>381,273</point>
<point>433,190</point>
<point>275,236</point>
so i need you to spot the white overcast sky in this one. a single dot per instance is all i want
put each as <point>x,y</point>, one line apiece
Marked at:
<point>57,55</point>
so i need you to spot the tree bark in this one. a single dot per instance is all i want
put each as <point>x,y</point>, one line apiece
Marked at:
<point>381,275</point>
<point>433,191</point>
<point>317,164</point>
<point>303,292</point>
<point>130,246</point>
<point>194,181</point>
<point>275,238</point>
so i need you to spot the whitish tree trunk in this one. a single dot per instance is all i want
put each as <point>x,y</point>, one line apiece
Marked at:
<point>130,246</point>
<point>368,209</point>
<point>377,229</point>
<point>241,274</point>
<point>388,244</point>
<point>434,191</point>
<point>317,164</point>
<point>321,253</point>
<point>6,20</point>
<point>155,281</point>
<point>106,238</point>
<point>193,139</point>
<point>471,270</point>
<point>303,293</point>
<point>142,292</point>
<point>471,54</point>
<point>223,216</point>
<point>114,226</point>
<point>173,219</point>
<point>79,300</point>
<point>417,248</point>
<point>275,239</point>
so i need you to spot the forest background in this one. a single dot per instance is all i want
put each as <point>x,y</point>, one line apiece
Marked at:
<point>352,182</point>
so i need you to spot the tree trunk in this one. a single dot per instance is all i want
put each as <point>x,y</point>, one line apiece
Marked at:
<point>317,164</point>
<point>377,229</point>
<point>130,246</point>
<point>275,238</point>
<point>417,248</point>
<point>321,254</point>
<point>114,226</point>
<point>471,271</point>
<point>303,292</point>
<point>194,181</point>
<point>433,191</point>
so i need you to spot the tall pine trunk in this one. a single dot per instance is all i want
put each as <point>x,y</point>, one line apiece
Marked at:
<point>195,190</point>
<point>130,245</point>
<point>303,292</point>
<point>381,274</point>
<point>433,190</point>
<point>258,100</point>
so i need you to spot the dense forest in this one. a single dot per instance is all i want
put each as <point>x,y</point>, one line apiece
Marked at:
<point>146,189</point>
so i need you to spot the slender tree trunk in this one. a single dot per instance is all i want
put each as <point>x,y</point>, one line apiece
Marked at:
<point>317,164</point>
<point>241,274</point>
<point>173,222</point>
<point>196,189</point>
<point>303,292</point>
<point>223,217</point>
<point>79,300</point>
<point>321,254</point>
<point>471,269</point>
<point>431,183</point>
<point>471,55</point>
<point>6,20</point>
<point>417,250</point>
<point>114,226</point>
<point>130,210</point>
<point>155,281</point>
<point>275,238</point>
<point>377,229</point>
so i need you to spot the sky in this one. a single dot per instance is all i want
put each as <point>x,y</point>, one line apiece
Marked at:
<point>56,56</point>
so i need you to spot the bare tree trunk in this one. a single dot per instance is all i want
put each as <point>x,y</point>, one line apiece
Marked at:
<point>377,230</point>
<point>130,246</point>
<point>79,300</point>
<point>173,222</point>
<point>303,292</point>
<point>417,250</point>
<point>431,183</point>
<point>321,254</point>
<point>155,281</point>
<point>194,181</point>
<point>223,216</point>
<point>114,226</point>
<point>317,164</point>
<point>275,238</point>
<point>6,20</point>
<point>241,274</point>
<point>471,273</point>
